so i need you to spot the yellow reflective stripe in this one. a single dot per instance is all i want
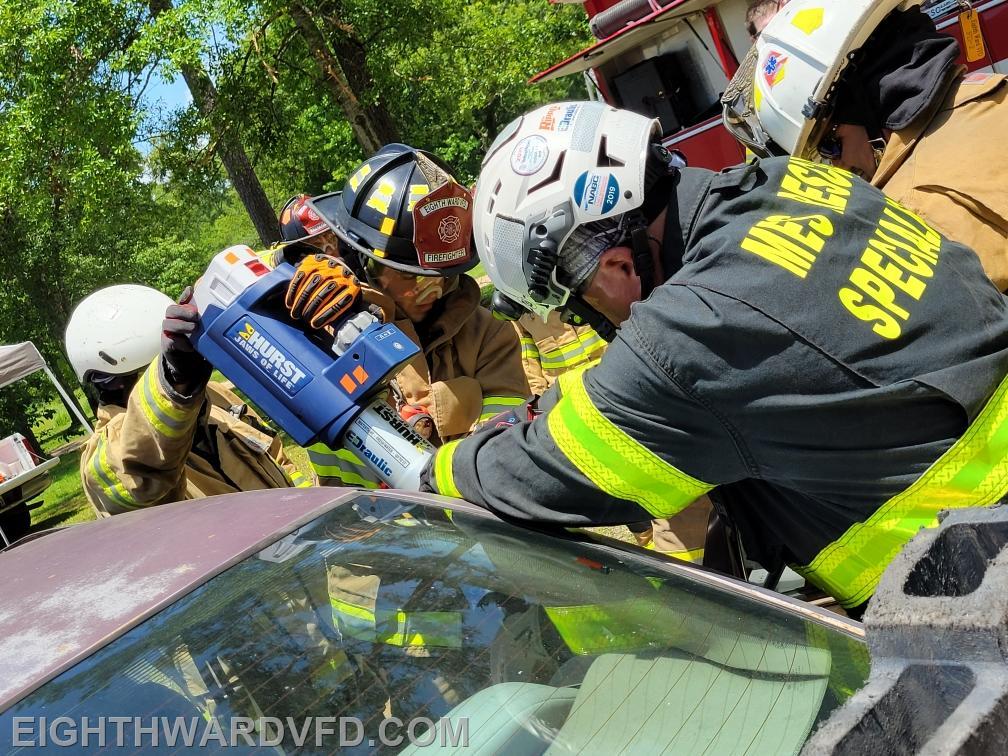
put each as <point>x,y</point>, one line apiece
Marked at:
<point>107,479</point>
<point>423,629</point>
<point>529,350</point>
<point>569,380</point>
<point>972,473</point>
<point>299,480</point>
<point>167,419</point>
<point>503,401</point>
<point>604,628</point>
<point>339,466</point>
<point>691,555</point>
<point>443,476</point>
<point>573,354</point>
<point>612,460</point>
<point>398,628</point>
<point>355,621</point>
<point>352,610</point>
<point>271,258</point>
<point>320,454</point>
<point>494,405</point>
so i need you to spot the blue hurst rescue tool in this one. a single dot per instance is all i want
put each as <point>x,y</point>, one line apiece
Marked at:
<point>314,390</point>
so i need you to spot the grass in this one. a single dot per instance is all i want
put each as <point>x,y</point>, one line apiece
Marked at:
<point>58,429</point>
<point>63,503</point>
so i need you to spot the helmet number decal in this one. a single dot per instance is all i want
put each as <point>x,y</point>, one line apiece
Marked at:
<point>529,155</point>
<point>442,227</point>
<point>596,193</point>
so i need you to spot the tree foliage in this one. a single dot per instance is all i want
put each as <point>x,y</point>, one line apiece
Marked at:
<point>99,186</point>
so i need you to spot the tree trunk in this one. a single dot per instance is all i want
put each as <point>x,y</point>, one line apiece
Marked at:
<point>371,124</point>
<point>229,147</point>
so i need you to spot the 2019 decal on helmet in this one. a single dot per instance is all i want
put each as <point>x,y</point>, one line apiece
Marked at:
<point>596,193</point>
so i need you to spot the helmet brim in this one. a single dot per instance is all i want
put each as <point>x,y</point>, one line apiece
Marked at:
<point>331,209</point>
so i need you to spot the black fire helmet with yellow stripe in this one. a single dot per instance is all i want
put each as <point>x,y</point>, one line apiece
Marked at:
<point>404,208</point>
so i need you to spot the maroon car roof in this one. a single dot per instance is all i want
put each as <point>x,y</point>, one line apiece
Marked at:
<point>71,592</point>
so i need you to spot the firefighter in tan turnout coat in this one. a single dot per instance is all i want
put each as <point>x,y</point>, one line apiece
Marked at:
<point>164,433</point>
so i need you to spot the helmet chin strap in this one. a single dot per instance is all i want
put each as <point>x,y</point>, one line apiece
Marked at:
<point>640,244</point>
<point>578,312</point>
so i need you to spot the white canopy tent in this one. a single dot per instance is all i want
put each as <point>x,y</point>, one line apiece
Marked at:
<point>18,361</point>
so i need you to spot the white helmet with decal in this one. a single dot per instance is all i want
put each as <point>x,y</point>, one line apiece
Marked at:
<point>781,92</point>
<point>549,172</point>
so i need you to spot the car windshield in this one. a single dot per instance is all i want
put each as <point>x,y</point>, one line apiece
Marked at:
<point>396,627</point>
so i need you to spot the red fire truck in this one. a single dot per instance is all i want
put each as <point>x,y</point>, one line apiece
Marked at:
<point>672,59</point>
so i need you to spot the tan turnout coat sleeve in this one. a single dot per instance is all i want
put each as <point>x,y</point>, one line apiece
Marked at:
<point>549,349</point>
<point>143,455</point>
<point>949,169</point>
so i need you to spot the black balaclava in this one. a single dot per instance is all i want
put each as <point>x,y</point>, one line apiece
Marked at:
<point>902,73</point>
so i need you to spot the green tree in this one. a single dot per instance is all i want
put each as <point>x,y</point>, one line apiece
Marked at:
<point>72,197</point>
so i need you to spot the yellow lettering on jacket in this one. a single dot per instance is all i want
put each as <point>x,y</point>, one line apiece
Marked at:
<point>924,241</point>
<point>816,184</point>
<point>791,242</point>
<point>890,248</point>
<point>893,273</point>
<point>884,275</point>
<point>885,325</point>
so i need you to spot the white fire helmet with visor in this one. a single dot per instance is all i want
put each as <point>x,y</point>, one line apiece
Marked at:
<point>553,182</point>
<point>780,98</point>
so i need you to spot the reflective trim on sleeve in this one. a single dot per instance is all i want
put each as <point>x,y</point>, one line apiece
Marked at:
<point>300,480</point>
<point>107,480</point>
<point>353,620</point>
<point>612,460</point>
<point>494,405</point>
<point>573,354</point>
<point>398,628</point>
<point>420,629</point>
<point>339,467</point>
<point>167,419</point>
<point>529,350</point>
<point>444,477</point>
<point>691,555</point>
<point>972,473</point>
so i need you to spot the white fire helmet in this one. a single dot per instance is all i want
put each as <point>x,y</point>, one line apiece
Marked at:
<point>781,92</point>
<point>116,330</point>
<point>548,172</point>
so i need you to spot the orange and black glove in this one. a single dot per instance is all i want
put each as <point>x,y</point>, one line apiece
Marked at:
<point>322,290</point>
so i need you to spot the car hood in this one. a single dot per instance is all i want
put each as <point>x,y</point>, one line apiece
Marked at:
<point>73,591</point>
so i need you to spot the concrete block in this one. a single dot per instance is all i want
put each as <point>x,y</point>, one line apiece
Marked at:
<point>937,631</point>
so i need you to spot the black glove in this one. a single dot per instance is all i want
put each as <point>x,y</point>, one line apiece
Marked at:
<point>186,370</point>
